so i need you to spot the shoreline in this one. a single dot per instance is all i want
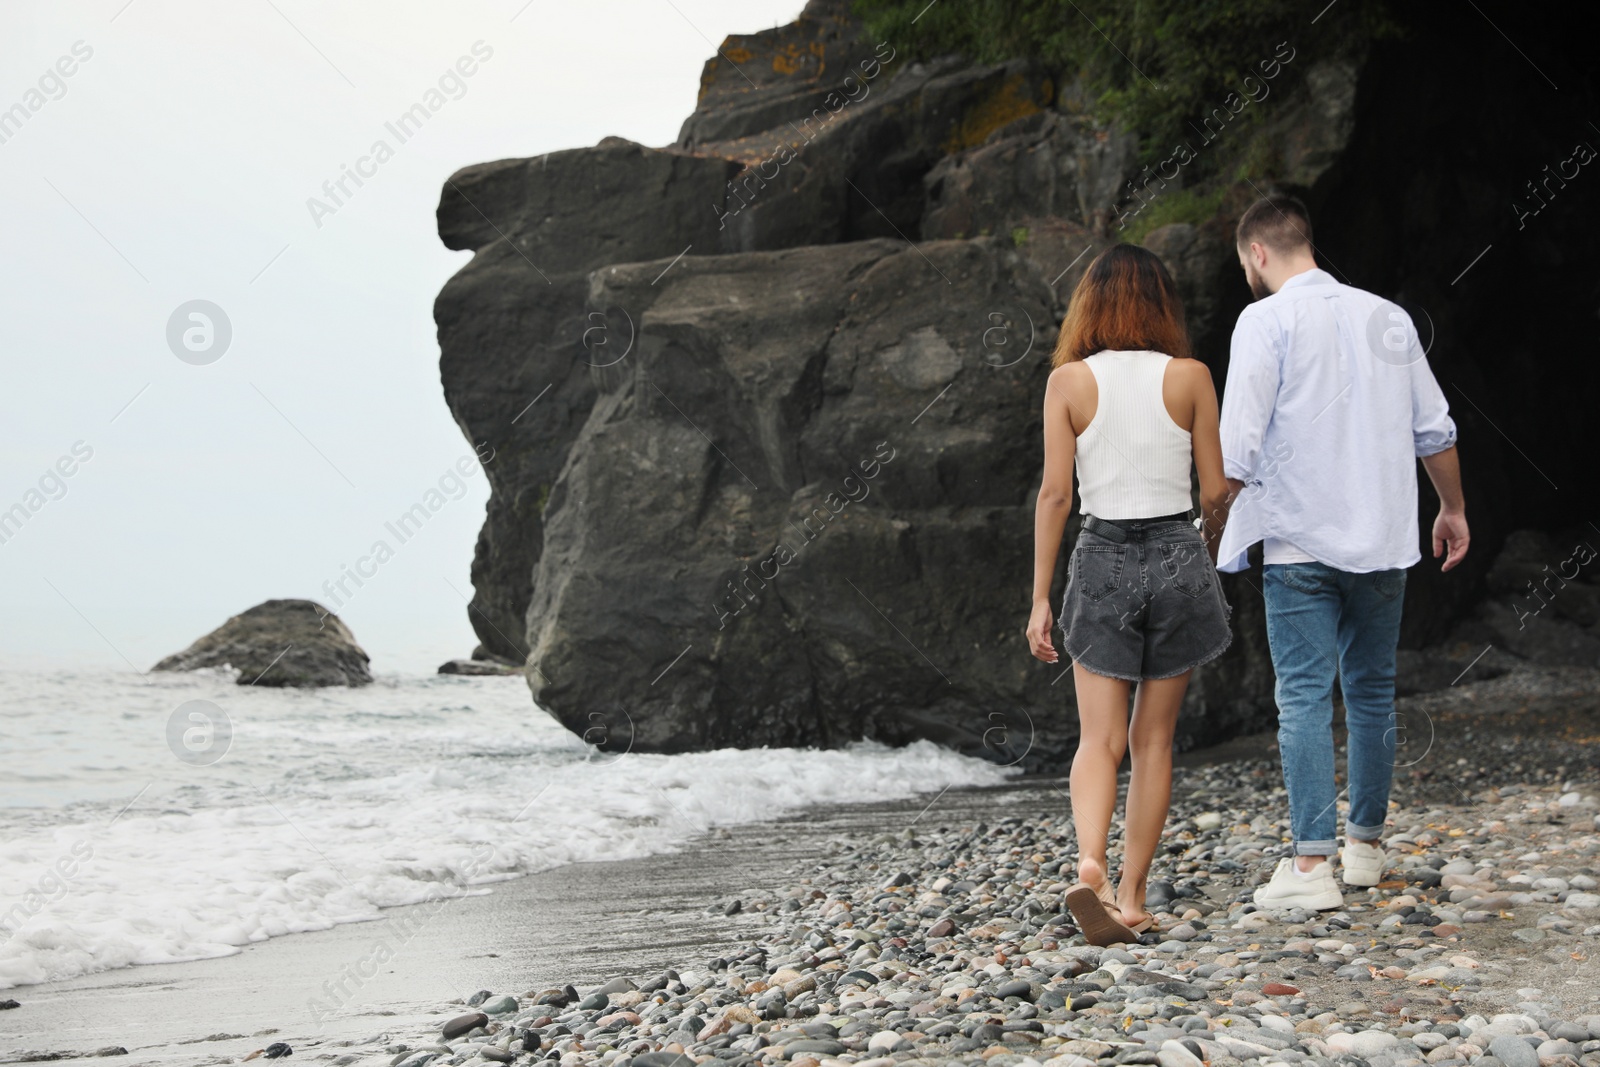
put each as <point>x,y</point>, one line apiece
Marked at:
<point>587,923</point>
<point>578,923</point>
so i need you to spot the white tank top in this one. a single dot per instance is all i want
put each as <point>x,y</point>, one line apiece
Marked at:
<point>1133,460</point>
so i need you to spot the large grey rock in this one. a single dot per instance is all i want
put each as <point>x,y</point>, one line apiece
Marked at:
<point>279,643</point>
<point>767,529</point>
<point>522,353</point>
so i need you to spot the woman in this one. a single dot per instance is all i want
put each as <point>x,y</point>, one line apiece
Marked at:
<point>1130,408</point>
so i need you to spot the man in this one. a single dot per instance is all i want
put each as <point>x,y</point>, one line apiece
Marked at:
<point>1329,403</point>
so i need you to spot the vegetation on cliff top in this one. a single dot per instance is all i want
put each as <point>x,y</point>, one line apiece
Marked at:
<point>1158,67</point>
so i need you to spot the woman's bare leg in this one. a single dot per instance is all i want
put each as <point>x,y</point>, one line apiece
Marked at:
<point>1155,717</point>
<point>1102,740</point>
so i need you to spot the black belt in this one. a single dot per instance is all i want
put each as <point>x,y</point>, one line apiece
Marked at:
<point>1118,529</point>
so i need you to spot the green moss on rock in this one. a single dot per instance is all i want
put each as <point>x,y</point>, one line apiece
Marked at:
<point>1159,67</point>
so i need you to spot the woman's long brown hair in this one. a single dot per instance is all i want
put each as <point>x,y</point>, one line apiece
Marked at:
<point>1125,301</point>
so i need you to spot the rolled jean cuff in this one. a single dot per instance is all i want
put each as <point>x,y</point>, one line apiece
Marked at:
<point>1314,848</point>
<point>1362,833</point>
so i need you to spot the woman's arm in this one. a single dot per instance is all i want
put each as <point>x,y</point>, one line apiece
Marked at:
<point>1206,441</point>
<point>1053,507</point>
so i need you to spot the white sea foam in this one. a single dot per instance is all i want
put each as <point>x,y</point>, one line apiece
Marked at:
<point>332,804</point>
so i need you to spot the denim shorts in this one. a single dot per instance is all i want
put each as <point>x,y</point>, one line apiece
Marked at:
<point>1149,608</point>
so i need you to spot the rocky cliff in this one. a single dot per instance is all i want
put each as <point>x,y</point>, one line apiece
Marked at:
<point>765,400</point>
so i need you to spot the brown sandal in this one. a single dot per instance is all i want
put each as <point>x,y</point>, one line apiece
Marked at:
<point>1109,899</point>
<point>1146,923</point>
<point>1099,923</point>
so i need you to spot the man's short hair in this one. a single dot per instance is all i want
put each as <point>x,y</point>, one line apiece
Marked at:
<point>1280,222</point>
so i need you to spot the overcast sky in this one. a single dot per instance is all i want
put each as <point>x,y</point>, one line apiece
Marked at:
<point>159,152</point>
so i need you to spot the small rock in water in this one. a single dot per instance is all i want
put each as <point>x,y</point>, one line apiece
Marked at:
<point>277,1050</point>
<point>6,1005</point>
<point>477,667</point>
<point>280,643</point>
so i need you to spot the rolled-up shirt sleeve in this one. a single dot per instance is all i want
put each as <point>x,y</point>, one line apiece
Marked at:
<point>1249,394</point>
<point>1432,428</point>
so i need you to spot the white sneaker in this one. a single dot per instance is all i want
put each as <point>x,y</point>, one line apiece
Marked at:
<point>1363,863</point>
<point>1288,888</point>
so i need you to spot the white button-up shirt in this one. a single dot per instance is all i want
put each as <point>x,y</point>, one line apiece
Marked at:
<point>1328,402</point>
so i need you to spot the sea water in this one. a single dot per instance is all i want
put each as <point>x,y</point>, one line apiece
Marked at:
<point>133,832</point>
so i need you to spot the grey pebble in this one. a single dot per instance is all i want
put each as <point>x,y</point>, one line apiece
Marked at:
<point>1514,1052</point>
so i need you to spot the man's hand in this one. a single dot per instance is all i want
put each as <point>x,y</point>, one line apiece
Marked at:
<point>1450,537</point>
<point>1450,528</point>
<point>1038,632</point>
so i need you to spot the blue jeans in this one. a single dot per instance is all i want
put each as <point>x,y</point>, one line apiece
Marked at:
<point>1324,623</point>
